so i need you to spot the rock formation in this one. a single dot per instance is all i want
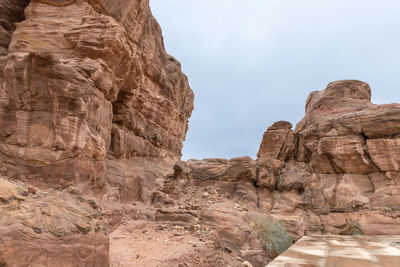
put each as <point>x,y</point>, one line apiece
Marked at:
<point>89,96</point>
<point>90,103</point>
<point>93,114</point>
<point>341,159</point>
<point>337,169</point>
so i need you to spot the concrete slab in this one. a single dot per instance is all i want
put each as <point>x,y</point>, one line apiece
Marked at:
<point>341,251</point>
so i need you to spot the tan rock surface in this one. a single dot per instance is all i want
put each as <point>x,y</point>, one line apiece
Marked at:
<point>277,141</point>
<point>49,228</point>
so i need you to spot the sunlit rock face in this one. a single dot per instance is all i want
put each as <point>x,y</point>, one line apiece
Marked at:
<point>88,91</point>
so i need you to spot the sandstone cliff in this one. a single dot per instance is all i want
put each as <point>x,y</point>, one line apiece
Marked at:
<point>87,92</point>
<point>90,105</point>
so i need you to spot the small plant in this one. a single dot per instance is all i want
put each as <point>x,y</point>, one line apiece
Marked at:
<point>272,235</point>
<point>351,228</point>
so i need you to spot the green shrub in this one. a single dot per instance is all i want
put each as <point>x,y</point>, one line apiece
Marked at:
<point>272,235</point>
<point>351,228</point>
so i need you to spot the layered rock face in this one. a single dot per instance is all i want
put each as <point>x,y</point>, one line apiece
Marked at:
<point>91,106</point>
<point>341,159</point>
<point>89,96</point>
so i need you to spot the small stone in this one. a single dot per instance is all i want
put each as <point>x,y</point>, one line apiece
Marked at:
<point>194,245</point>
<point>206,194</point>
<point>247,264</point>
<point>31,190</point>
<point>179,228</point>
<point>37,230</point>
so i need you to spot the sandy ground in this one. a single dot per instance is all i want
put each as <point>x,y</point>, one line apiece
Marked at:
<point>144,243</point>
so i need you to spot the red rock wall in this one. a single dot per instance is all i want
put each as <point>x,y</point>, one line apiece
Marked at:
<point>89,96</point>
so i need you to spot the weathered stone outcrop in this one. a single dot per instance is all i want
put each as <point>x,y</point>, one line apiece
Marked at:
<point>89,96</point>
<point>277,141</point>
<point>342,159</point>
<point>50,228</point>
<point>90,103</point>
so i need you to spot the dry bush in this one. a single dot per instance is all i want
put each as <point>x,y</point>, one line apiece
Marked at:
<point>351,228</point>
<point>272,235</point>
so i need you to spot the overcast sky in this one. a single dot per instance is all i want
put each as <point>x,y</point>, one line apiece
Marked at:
<point>253,62</point>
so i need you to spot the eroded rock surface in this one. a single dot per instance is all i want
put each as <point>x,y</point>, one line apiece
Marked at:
<point>50,228</point>
<point>342,161</point>
<point>87,92</point>
<point>91,105</point>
